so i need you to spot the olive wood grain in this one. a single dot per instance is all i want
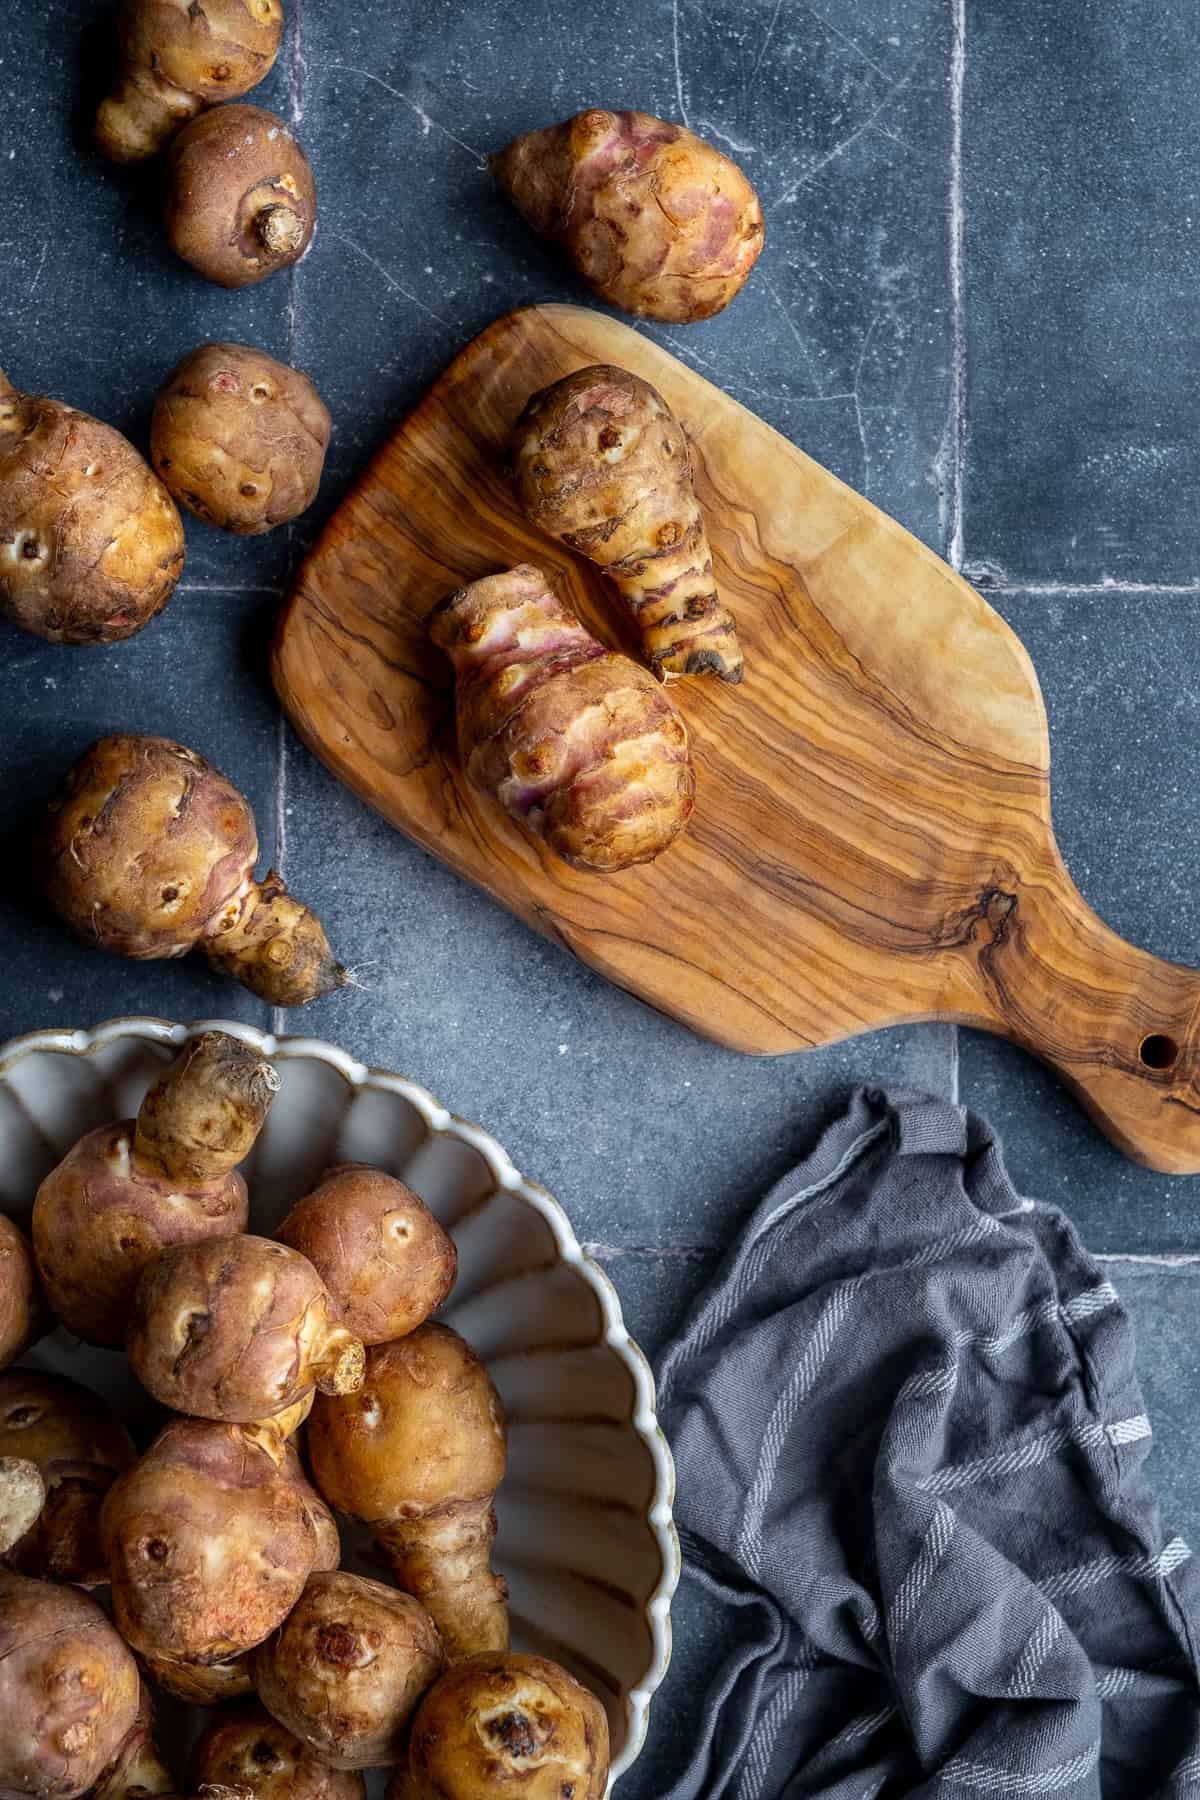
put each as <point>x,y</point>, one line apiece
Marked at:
<point>872,840</point>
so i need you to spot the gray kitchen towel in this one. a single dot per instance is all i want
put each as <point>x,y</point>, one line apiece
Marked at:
<point>909,1442</point>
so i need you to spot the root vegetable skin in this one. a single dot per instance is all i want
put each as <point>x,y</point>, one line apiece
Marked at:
<point>602,464</point>
<point>418,1453</point>
<point>177,59</point>
<point>91,545</point>
<point>498,1721</point>
<point>577,743</point>
<point>347,1668</point>
<point>200,1684</point>
<point>249,1751</point>
<point>149,852</point>
<point>22,1497</point>
<point>79,1449</point>
<point>379,1250</point>
<point>653,217</point>
<point>329,1542</point>
<point>240,439</point>
<point>22,1311</point>
<point>137,1768</point>
<point>238,1328</point>
<point>241,199</point>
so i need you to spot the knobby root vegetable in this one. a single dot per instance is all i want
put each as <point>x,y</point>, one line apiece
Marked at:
<point>22,1312</point>
<point>240,439</point>
<point>177,59</point>
<point>602,464</point>
<point>79,1448</point>
<point>236,1329</point>
<point>377,1247</point>
<point>91,545</point>
<point>495,1722</point>
<point>200,1684</point>
<point>209,1542</point>
<point>246,1749</point>
<point>22,1496</point>
<point>137,1768</point>
<point>127,1191</point>
<point>577,743</point>
<point>149,852</point>
<point>241,199</point>
<point>68,1689</point>
<point>329,1542</point>
<point>418,1453</point>
<point>655,219</point>
<point>347,1668</point>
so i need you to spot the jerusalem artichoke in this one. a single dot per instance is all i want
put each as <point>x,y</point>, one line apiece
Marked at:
<point>136,1771</point>
<point>241,199</point>
<point>79,1448</point>
<point>199,1684</point>
<point>22,1497</point>
<point>247,1750</point>
<point>602,464</point>
<point>22,1312</point>
<point>576,742</point>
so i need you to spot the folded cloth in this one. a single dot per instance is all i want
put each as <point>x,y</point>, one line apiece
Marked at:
<point>909,1442</point>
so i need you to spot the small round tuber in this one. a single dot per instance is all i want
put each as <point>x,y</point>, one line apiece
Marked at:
<point>241,199</point>
<point>127,1191</point>
<point>238,1328</point>
<point>240,439</point>
<point>22,1497</point>
<point>149,851</point>
<point>178,58</point>
<point>653,217</point>
<point>23,1316</point>
<point>499,1722</point>
<point>91,545</point>
<point>246,1749</point>
<point>79,1448</point>
<point>377,1247</point>
<point>418,1453</point>
<point>68,1690</point>
<point>137,1769</point>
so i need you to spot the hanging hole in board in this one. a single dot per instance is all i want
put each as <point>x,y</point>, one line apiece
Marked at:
<point>1158,1051</point>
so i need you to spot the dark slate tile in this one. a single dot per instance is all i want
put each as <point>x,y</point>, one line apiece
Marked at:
<point>1081,264</point>
<point>657,1288</point>
<point>1163,1299</point>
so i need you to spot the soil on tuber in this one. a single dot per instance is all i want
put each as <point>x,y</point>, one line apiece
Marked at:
<point>79,1448</point>
<point>91,544</point>
<point>577,742</point>
<point>602,464</point>
<point>377,1247</point>
<point>653,217</point>
<point>418,1454</point>
<point>241,199</point>
<point>149,851</point>
<point>129,1190</point>
<point>69,1689</point>
<point>240,439</point>
<point>137,1769</point>
<point>177,59</point>
<point>238,1328</point>
<point>23,1316</point>
<point>247,1750</point>
<point>346,1669</point>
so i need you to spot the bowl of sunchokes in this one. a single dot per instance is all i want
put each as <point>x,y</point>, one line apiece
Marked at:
<point>253,1291</point>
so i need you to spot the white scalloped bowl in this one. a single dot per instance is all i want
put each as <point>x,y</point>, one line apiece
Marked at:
<point>586,1540</point>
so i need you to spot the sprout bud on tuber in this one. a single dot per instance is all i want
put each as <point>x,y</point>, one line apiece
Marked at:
<point>246,1749</point>
<point>241,199</point>
<point>78,1448</point>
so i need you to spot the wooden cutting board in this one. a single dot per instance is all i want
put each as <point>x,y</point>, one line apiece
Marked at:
<point>872,840</point>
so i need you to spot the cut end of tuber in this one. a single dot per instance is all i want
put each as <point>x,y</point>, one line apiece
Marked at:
<point>22,1496</point>
<point>276,947</point>
<point>281,230</point>
<point>342,1365</point>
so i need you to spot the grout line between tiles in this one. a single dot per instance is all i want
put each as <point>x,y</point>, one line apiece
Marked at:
<point>1085,589</point>
<point>1178,1260</point>
<point>678,1252</point>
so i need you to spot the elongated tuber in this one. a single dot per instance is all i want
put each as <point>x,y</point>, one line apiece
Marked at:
<point>22,1497</point>
<point>653,217</point>
<point>241,199</point>
<point>137,1769</point>
<point>377,1247</point>
<point>418,1453</point>
<point>602,464</point>
<point>23,1316</point>
<point>347,1668</point>
<point>576,742</point>
<point>499,1722</point>
<point>177,59</point>
<point>127,1191</point>
<point>246,1749</point>
<point>68,1689</point>
<point>149,851</point>
<point>91,545</point>
<point>79,1448</point>
<point>237,1328</point>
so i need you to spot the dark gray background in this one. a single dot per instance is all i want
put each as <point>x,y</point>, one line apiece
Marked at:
<point>977,303</point>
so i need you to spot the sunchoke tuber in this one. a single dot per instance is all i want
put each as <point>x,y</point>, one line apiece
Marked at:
<point>91,545</point>
<point>177,59</point>
<point>418,1453</point>
<point>329,1542</point>
<point>347,1667</point>
<point>602,464</point>
<point>377,1247</point>
<point>22,1497</point>
<point>575,741</point>
<point>246,1749</point>
<point>200,1684</point>
<point>240,439</point>
<point>23,1316</point>
<point>129,1190</point>
<point>653,217</point>
<point>149,851</point>
<point>137,1769</point>
<point>238,1328</point>
<point>79,1448</point>
<point>241,199</point>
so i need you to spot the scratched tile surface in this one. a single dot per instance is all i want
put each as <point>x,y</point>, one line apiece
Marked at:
<point>996,346</point>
